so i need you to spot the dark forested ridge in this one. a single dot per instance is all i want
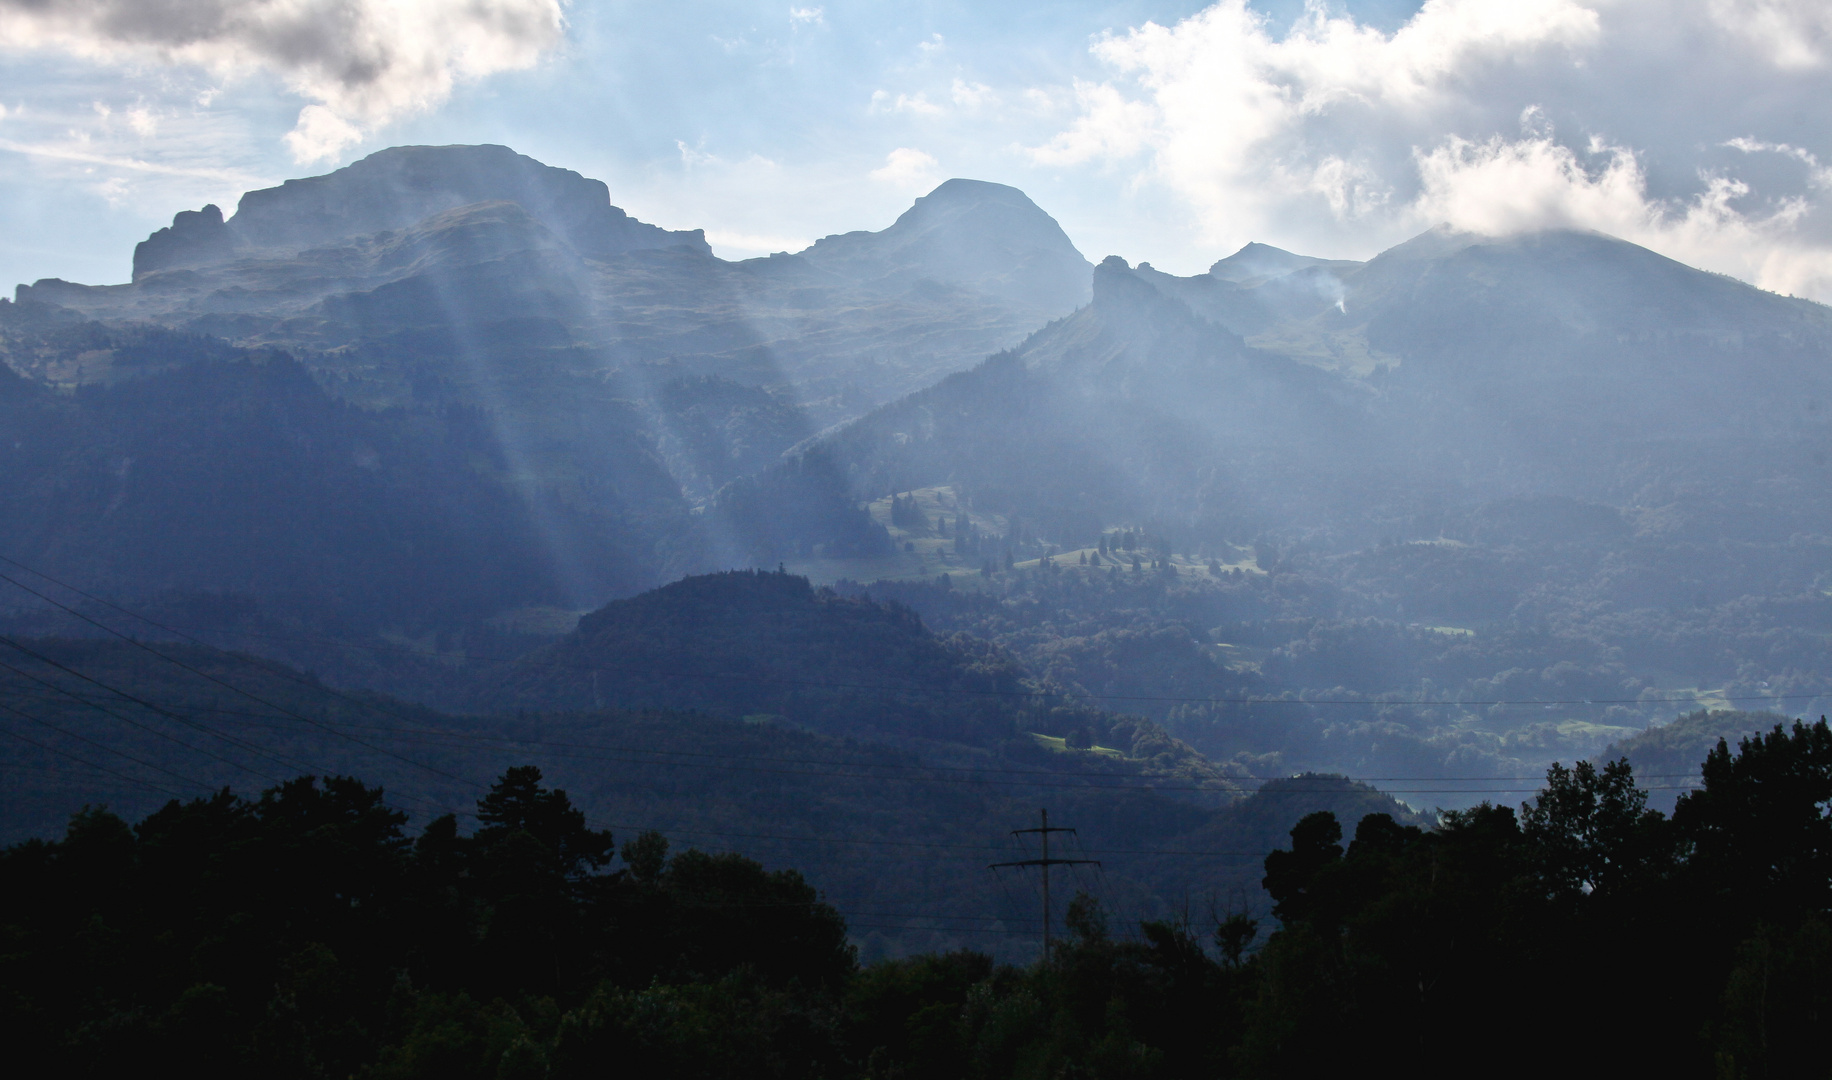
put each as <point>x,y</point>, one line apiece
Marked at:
<point>771,647</point>
<point>904,832</point>
<point>305,933</point>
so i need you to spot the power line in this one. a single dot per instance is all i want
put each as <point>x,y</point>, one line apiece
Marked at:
<point>307,767</point>
<point>1206,699</point>
<point>1086,781</point>
<point>87,763</point>
<point>142,703</point>
<point>227,686</point>
<point>21,712</point>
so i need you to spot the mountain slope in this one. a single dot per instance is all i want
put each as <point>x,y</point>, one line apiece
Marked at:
<point>877,830</point>
<point>237,473</point>
<point>1555,471</point>
<point>461,262</point>
<point>771,647</point>
<point>1450,370</point>
<point>1132,409</point>
<point>623,373</point>
<point>969,234</point>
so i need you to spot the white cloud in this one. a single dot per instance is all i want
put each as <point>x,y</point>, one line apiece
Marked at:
<point>231,179</point>
<point>811,15</point>
<point>1111,126</point>
<point>907,168</point>
<point>321,135</point>
<point>1821,174</point>
<point>360,63</point>
<point>142,120</point>
<point>1613,115</point>
<point>1506,186</point>
<point>692,157</point>
<point>918,103</point>
<point>971,95</point>
<point>1790,33</point>
<point>732,243</point>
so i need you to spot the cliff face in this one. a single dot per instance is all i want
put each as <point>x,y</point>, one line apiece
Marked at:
<point>398,188</point>
<point>195,238</point>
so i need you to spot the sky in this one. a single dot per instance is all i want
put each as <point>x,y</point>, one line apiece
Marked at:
<point>1168,131</point>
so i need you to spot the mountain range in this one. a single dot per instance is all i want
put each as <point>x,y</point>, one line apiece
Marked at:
<point>1455,511</point>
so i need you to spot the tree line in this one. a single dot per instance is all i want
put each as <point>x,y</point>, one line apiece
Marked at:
<point>305,933</point>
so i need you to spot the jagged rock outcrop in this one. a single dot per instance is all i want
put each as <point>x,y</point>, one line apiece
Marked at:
<point>195,238</point>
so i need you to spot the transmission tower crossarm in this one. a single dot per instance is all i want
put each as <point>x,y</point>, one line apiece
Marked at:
<point>1044,864</point>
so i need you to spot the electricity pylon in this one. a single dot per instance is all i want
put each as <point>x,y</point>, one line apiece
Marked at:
<point>1045,863</point>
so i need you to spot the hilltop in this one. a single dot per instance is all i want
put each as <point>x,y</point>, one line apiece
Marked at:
<point>769,647</point>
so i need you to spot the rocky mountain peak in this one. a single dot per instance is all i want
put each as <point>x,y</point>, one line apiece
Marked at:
<point>969,234</point>
<point>398,188</point>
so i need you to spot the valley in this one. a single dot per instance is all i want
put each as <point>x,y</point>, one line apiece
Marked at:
<point>447,430</point>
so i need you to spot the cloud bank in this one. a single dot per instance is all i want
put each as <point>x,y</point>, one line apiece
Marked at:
<point>360,63</point>
<point>909,169</point>
<point>1694,127</point>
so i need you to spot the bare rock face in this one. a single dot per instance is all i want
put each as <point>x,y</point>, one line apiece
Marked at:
<point>967,234</point>
<point>195,238</point>
<point>396,189</point>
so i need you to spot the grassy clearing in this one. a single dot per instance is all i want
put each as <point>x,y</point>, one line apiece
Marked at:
<point>1581,729</point>
<point>1711,699</point>
<point>551,621</point>
<point>1061,746</point>
<point>927,555</point>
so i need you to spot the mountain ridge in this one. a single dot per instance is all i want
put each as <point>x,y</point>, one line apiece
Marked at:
<point>397,187</point>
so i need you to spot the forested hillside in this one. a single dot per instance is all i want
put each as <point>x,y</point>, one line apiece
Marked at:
<point>771,648</point>
<point>305,932</point>
<point>905,832</point>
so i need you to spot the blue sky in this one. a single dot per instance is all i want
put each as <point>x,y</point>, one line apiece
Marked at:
<point>1164,131</point>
